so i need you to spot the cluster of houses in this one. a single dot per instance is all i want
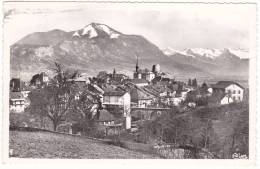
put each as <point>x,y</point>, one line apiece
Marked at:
<point>18,95</point>
<point>118,93</point>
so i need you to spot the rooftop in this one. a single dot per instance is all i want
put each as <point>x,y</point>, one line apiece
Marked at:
<point>138,81</point>
<point>224,84</point>
<point>139,94</point>
<point>114,93</point>
<point>79,79</point>
<point>16,95</point>
<point>95,88</point>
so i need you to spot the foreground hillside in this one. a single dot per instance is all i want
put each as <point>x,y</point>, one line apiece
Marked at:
<point>50,145</point>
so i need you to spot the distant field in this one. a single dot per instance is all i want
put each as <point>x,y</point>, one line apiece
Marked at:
<point>51,145</point>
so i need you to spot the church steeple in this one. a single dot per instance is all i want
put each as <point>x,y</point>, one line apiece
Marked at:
<point>114,73</point>
<point>137,66</point>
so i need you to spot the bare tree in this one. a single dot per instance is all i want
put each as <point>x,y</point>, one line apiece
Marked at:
<point>55,99</point>
<point>88,105</point>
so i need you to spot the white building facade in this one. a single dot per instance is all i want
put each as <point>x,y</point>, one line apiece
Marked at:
<point>120,99</point>
<point>235,92</point>
<point>17,105</point>
<point>231,91</point>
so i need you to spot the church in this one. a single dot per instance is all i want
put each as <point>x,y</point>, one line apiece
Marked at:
<point>146,73</point>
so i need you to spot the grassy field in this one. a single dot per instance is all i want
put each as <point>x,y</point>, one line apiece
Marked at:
<point>50,145</point>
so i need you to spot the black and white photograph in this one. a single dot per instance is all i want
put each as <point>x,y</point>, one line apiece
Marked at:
<point>93,80</point>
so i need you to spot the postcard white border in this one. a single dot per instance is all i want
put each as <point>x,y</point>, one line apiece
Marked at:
<point>100,163</point>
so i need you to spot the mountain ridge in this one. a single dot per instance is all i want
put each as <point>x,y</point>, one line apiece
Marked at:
<point>98,47</point>
<point>207,52</point>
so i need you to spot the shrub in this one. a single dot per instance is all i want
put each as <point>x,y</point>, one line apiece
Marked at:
<point>27,119</point>
<point>17,120</point>
<point>116,141</point>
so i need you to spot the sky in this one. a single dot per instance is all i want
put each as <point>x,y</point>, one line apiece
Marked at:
<point>179,26</point>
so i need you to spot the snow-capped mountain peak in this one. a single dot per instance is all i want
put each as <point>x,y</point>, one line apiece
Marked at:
<point>76,33</point>
<point>170,51</point>
<point>112,34</point>
<point>242,53</point>
<point>92,30</point>
<point>208,53</point>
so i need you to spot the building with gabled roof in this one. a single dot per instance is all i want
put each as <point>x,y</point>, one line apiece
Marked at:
<point>80,80</point>
<point>230,88</point>
<point>120,102</point>
<point>141,97</point>
<point>150,89</point>
<point>118,77</point>
<point>17,102</point>
<point>114,93</point>
<point>139,82</point>
<point>220,98</point>
<point>224,84</point>
<point>95,89</point>
<point>161,80</point>
<point>145,74</point>
<point>39,80</point>
<point>15,85</point>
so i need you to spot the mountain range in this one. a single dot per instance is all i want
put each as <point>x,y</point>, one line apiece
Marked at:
<point>98,47</point>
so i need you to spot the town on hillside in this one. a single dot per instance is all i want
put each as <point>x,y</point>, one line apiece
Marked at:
<point>113,105</point>
<point>95,80</point>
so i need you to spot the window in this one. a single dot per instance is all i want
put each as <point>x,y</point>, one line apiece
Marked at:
<point>239,98</point>
<point>106,99</point>
<point>239,92</point>
<point>234,98</point>
<point>234,92</point>
<point>114,99</point>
